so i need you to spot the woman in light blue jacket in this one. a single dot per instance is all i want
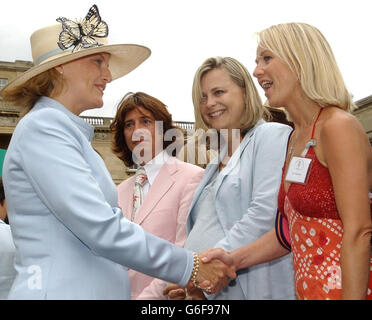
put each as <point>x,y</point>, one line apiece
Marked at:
<point>236,201</point>
<point>7,249</point>
<point>72,240</point>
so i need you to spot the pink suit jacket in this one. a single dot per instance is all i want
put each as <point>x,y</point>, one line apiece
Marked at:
<point>163,213</point>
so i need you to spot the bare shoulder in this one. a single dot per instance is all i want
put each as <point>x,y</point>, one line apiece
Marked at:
<point>337,123</point>
<point>341,132</point>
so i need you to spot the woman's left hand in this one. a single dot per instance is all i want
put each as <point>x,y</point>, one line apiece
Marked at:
<point>176,292</point>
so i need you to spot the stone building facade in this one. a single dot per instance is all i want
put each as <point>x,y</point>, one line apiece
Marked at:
<point>9,116</point>
<point>364,114</point>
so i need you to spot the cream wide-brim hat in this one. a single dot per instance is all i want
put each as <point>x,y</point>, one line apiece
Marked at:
<point>47,54</point>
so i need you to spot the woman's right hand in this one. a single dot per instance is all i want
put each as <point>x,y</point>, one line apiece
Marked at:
<point>215,274</point>
<point>210,254</point>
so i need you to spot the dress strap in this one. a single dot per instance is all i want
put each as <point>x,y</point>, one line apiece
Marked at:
<point>312,133</point>
<point>312,141</point>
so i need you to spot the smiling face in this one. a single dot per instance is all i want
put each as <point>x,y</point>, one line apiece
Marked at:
<point>223,102</point>
<point>84,81</point>
<point>276,78</point>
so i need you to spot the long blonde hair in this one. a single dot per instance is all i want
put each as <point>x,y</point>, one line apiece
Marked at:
<point>308,54</point>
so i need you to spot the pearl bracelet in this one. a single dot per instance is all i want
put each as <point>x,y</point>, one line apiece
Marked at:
<point>195,270</point>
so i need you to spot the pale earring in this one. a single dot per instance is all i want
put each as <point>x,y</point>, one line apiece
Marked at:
<point>60,71</point>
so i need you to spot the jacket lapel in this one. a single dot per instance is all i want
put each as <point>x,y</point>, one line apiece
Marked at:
<point>232,168</point>
<point>128,203</point>
<point>163,182</point>
<point>234,163</point>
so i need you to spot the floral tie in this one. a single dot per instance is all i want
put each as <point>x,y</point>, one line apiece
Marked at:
<point>139,181</point>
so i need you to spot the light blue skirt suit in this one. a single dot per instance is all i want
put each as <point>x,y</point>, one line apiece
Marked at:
<point>72,241</point>
<point>244,198</point>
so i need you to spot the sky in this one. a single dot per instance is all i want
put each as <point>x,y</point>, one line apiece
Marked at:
<point>183,33</point>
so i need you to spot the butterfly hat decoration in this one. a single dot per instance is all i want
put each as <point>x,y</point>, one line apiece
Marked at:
<point>82,34</point>
<point>70,40</point>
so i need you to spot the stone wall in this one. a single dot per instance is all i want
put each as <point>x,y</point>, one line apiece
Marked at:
<point>364,114</point>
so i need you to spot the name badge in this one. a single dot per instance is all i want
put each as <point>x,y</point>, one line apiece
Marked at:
<point>298,170</point>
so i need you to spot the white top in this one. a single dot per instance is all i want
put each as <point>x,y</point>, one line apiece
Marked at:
<point>7,251</point>
<point>153,168</point>
<point>207,228</point>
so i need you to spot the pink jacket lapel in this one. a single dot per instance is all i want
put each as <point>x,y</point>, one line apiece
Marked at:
<point>126,197</point>
<point>160,187</point>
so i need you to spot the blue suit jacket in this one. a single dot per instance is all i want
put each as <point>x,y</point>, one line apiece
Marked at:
<point>72,241</point>
<point>246,203</point>
<point>7,250</point>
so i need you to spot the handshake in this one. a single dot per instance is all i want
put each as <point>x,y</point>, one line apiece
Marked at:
<point>216,268</point>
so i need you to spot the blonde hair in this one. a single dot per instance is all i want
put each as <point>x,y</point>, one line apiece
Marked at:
<point>308,54</point>
<point>254,110</point>
<point>28,93</point>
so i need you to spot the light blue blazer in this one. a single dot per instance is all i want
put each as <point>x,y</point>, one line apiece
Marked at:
<point>246,202</point>
<point>7,250</point>
<point>72,241</point>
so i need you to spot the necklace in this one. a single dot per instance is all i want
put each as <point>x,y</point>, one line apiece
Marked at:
<point>291,148</point>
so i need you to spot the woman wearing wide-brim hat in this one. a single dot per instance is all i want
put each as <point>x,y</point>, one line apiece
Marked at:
<point>72,239</point>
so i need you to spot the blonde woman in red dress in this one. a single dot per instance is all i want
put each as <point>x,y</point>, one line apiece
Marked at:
<point>324,213</point>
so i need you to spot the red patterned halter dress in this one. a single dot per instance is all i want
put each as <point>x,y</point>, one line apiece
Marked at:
<point>312,229</point>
